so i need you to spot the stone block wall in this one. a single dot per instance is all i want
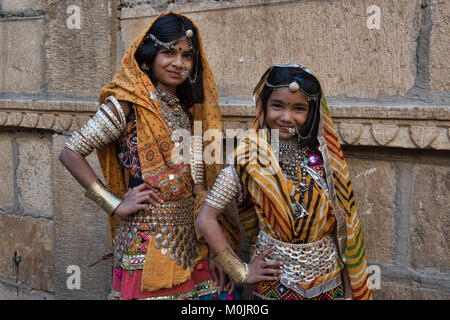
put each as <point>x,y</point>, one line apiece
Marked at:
<point>55,55</point>
<point>388,89</point>
<point>404,214</point>
<point>26,215</point>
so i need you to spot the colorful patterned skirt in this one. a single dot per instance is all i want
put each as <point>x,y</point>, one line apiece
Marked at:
<point>126,285</point>
<point>275,290</point>
<point>132,241</point>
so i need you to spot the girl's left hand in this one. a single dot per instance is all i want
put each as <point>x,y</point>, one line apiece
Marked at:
<point>220,278</point>
<point>217,273</point>
<point>260,269</point>
<point>138,198</point>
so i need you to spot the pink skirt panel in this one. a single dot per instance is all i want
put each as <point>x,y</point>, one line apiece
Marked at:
<point>128,283</point>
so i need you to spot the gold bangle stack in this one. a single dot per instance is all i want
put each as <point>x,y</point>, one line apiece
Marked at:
<point>236,269</point>
<point>197,159</point>
<point>100,130</point>
<point>223,192</point>
<point>102,196</point>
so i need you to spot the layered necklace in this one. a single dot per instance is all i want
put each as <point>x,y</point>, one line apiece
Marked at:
<point>292,156</point>
<point>172,112</point>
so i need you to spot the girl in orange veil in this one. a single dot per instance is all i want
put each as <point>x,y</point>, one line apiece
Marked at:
<point>164,85</point>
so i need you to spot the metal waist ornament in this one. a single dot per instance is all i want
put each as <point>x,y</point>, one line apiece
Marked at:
<point>302,263</point>
<point>171,225</point>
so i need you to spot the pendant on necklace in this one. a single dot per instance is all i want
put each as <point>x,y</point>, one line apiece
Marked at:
<point>299,211</point>
<point>291,158</point>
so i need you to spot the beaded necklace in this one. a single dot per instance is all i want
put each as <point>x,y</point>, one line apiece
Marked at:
<point>292,156</point>
<point>172,112</point>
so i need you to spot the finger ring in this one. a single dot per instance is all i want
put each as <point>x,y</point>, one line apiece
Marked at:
<point>257,252</point>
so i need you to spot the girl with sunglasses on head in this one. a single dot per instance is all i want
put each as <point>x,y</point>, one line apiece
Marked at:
<point>163,86</point>
<point>295,201</point>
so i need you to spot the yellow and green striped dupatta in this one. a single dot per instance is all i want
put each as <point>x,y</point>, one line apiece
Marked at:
<point>254,161</point>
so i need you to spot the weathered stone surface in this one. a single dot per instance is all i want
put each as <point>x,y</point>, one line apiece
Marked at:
<point>350,132</point>
<point>8,292</point>
<point>129,30</point>
<point>59,116</point>
<point>6,174</point>
<point>384,134</point>
<point>77,46</point>
<point>16,6</point>
<point>331,38</point>
<point>440,46</point>
<point>33,239</point>
<point>82,231</point>
<point>374,184</point>
<point>391,290</point>
<point>11,292</point>
<point>408,126</point>
<point>430,225</point>
<point>34,174</point>
<point>423,136</point>
<point>21,70</point>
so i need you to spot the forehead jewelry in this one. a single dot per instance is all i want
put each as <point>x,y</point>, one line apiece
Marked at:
<point>293,86</point>
<point>169,45</point>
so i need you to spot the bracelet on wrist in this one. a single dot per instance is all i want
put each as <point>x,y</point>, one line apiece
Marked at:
<point>232,265</point>
<point>102,196</point>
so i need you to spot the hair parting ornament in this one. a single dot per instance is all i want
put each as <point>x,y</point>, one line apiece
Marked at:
<point>169,45</point>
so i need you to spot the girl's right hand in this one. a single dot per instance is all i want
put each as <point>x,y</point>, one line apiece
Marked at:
<point>260,269</point>
<point>137,199</point>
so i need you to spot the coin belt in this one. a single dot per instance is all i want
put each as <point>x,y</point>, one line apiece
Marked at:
<point>302,262</point>
<point>172,225</point>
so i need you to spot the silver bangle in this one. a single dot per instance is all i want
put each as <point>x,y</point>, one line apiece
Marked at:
<point>113,117</point>
<point>119,109</point>
<point>245,273</point>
